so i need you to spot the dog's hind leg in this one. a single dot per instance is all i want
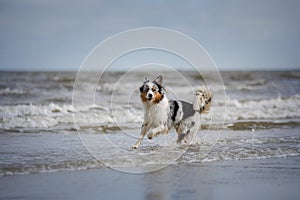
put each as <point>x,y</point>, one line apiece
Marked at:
<point>182,133</point>
<point>144,130</point>
<point>180,137</point>
<point>187,130</point>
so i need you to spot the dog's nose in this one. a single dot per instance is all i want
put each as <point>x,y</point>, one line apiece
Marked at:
<point>149,95</point>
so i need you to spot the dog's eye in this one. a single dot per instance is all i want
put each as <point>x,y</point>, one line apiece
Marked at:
<point>144,88</point>
<point>153,89</point>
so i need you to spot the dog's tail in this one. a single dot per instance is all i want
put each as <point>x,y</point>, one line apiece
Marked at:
<point>202,100</point>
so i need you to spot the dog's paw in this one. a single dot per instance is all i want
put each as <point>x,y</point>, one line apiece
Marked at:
<point>150,136</point>
<point>135,146</point>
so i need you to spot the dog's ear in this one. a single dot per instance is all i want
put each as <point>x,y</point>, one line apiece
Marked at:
<point>159,80</point>
<point>142,89</point>
<point>146,80</point>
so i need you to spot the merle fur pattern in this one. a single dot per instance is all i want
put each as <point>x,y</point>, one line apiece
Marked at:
<point>161,114</point>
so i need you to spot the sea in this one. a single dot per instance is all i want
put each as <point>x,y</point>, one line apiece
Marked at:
<point>52,121</point>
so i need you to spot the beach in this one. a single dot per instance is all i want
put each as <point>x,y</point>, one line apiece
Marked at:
<point>275,178</point>
<point>149,100</point>
<point>59,144</point>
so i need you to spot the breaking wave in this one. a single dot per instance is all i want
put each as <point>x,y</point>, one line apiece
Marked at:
<point>8,91</point>
<point>276,108</point>
<point>52,115</point>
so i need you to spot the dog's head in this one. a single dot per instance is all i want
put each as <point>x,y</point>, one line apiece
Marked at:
<point>202,100</point>
<point>152,92</point>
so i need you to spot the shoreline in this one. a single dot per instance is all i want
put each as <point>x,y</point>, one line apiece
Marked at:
<point>272,178</point>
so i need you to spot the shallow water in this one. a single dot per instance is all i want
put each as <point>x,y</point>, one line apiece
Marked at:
<point>276,179</point>
<point>23,153</point>
<point>38,134</point>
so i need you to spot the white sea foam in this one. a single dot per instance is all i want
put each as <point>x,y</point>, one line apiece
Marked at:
<point>8,91</point>
<point>43,116</point>
<point>30,145</point>
<point>65,152</point>
<point>277,108</point>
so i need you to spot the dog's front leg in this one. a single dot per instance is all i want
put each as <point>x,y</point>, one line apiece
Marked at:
<point>155,131</point>
<point>144,130</point>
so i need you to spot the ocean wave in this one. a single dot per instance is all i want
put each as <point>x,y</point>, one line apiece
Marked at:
<point>254,125</point>
<point>276,108</point>
<point>20,169</point>
<point>51,115</point>
<point>290,75</point>
<point>34,116</point>
<point>8,91</point>
<point>250,85</point>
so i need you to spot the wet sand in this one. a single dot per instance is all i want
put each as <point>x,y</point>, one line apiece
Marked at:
<point>275,178</point>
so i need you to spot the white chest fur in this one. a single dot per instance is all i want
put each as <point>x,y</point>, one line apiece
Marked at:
<point>157,114</point>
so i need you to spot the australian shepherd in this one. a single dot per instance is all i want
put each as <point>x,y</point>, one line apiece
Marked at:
<point>161,114</point>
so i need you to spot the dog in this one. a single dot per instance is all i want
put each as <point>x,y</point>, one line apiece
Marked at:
<point>161,114</point>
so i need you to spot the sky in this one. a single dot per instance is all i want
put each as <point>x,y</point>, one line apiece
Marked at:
<point>39,35</point>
